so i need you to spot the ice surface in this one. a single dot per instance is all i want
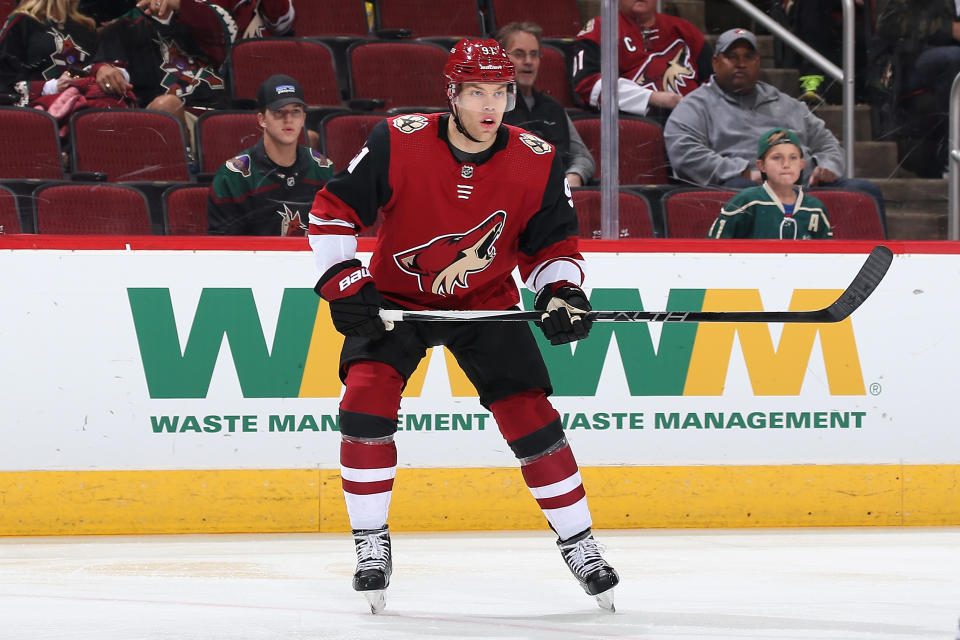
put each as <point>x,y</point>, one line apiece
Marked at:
<point>782,584</point>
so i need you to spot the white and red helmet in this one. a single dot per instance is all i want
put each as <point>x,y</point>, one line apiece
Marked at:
<point>479,61</point>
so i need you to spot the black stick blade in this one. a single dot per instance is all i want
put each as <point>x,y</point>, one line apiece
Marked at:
<point>866,280</point>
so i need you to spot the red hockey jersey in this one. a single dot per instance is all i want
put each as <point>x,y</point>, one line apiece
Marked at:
<point>452,232</point>
<point>664,57</point>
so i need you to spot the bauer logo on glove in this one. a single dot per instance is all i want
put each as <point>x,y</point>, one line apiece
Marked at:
<point>354,300</point>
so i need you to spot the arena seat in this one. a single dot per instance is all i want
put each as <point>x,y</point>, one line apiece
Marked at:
<point>129,145</point>
<point>853,215</point>
<point>689,212</point>
<point>310,61</point>
<point>331,18</point>
<point>31,145</point>
<point>381,70</point>
<point>431,18</point>
<point>185,209</point>
<point>90,208</point>
<point>643,155</point>
<point>635,213</point>
<point>343,135</point>
<point>9,218</point>
<point>559,19</point>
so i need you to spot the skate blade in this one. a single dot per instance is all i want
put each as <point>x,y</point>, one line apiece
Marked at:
<point>377,600</point>
<point>605,600</point>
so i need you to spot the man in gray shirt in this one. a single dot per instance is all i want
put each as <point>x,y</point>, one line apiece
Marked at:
<point>711,135</point>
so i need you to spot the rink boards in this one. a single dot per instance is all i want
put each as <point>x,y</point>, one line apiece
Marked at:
<point>189,385</point>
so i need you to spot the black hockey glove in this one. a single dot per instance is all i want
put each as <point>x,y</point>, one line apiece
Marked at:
<point>354,300</point>
<point>565,306</point>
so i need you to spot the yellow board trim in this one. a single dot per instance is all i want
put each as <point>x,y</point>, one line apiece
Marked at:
<point>310,500</point>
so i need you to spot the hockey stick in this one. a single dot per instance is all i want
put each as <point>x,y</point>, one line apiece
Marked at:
<point>869,276</point>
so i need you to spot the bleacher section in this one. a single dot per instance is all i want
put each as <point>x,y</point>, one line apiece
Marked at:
<point>357,69</point>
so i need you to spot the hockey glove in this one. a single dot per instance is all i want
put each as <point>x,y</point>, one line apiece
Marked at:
<point>354,300</point>
<point>564,307</point>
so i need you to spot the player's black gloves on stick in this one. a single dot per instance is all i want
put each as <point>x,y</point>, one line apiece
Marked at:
<point>565,306</point>
<point>354,300</point>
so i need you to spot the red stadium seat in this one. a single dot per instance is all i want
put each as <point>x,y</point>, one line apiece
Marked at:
<point>853,215</point>
<point>553,78</point>
<point>223,134</point>
<point>643,156</point>
<point>9,218</point>
<point>309,61</point>
<point>31,145</point>
<point>90,208</point>
<point>129,145</point>
<point>636,219</point>
<point>185,209</point>
<point>559,18</point>
<point>331,18</point>
<point>431,18</point>
<point>382,70</point>
<point>344,134</point>
<point>690,212</point>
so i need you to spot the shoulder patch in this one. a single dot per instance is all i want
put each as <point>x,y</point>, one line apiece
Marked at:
<point>240,164</point>
<point>538,145</point>
<point>321,160</point>
<point>410,123</point>
<point>587,28</point>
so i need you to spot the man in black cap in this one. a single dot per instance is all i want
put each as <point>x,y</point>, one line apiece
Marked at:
<point>267,190</point>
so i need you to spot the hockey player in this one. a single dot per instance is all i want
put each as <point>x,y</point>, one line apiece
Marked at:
<point>465,200</point>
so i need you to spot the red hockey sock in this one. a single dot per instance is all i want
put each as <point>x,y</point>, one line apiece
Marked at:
<point>367,469</point>
<point>554,481</point>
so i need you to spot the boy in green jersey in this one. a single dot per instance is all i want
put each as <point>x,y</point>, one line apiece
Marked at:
<point>778,208</point>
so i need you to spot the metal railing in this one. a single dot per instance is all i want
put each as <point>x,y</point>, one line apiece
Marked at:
<point>609,114</point>
<point>953,171</point>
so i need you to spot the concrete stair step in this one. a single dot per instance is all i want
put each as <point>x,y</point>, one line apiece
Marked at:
<point>913,190</point>
<point>692,10</point>
<point>874,159</point>
<point>832,116</point>
<point>916,225</point>
<point>787,80</point>
<point>916,208</point>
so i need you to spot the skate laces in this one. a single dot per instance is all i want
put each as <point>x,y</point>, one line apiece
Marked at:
<point>583,557</point>
<point>373,551</point>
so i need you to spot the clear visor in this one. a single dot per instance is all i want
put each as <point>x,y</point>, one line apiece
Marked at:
<point>485,97</point>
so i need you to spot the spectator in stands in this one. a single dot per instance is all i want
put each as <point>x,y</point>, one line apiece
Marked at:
<point>661,59</point>
<point>923,37</point>
<point>819,23</point>
<point>268,189</point>
<point>261,18</point>
<point>169,52</point>
<point>45,47</point>
<point>778,208</point>
<point>536,111</point>
<point>710,136</point>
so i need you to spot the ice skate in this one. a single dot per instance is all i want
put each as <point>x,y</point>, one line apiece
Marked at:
<point>582,555</point>
<point>374,565</point>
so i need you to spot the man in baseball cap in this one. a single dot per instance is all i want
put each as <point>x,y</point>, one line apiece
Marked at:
<point>729,37</point>
<point>268,189</point>
<point>278,91</point>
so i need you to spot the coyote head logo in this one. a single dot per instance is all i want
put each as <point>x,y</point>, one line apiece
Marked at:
<point>667,70</point>
<point>444,263</point>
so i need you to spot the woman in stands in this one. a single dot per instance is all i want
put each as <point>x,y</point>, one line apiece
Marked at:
<point>45,46</point>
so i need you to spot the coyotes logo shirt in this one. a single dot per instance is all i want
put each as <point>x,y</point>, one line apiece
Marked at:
<point>451,231</point>
<point>664,57</point>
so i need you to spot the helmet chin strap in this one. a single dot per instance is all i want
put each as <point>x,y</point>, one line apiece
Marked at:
<point>456,120</point>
